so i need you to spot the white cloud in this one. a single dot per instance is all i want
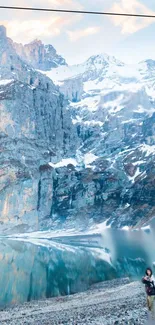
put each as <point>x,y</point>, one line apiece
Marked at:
<point>26,26</point>
<point>77,34</point>
<point>66,4</point>
<point>131,25</point>
<point>28,30</point>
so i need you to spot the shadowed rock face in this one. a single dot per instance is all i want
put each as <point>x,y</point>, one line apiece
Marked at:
<point>38,126</point>
<point>34,127</point>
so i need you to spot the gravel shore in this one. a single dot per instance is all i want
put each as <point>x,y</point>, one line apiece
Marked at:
<point>112,302</point>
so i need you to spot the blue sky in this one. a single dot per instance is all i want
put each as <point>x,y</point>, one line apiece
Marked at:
<point>77,37</point>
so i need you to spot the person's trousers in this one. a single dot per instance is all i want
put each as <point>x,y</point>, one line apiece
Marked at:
<point>151,305</point>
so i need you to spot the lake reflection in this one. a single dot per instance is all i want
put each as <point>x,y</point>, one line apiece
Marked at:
<point>131,244</point>
<point>69,265</point>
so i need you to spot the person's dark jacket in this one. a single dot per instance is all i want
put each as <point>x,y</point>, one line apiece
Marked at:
<point>149,285</point>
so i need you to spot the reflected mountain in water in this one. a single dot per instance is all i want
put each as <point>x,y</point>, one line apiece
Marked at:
<point>46,268</point>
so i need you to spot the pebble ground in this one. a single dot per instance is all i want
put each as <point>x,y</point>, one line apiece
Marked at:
<point>116,302</point>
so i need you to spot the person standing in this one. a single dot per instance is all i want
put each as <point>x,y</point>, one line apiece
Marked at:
<point>149,281</point>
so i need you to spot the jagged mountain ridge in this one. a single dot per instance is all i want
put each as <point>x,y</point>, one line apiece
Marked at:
<point>40,56</point>
<point>73,164</point>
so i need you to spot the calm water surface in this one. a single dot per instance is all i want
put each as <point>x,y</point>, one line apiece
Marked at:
<point>68,265</point>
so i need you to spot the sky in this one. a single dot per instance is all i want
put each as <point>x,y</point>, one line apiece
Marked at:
<point>78,36</point>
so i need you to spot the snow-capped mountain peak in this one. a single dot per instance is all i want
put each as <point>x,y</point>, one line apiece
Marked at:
<point>102,59</point>
<point>95,68</point>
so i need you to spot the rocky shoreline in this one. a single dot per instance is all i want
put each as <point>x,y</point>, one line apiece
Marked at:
<point>112,302</point>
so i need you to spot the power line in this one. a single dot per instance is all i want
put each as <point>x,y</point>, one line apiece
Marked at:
<point>79,12</point>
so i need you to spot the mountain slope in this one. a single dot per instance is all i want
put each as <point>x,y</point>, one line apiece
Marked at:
<point>78,149</point>
<point>114,115</point>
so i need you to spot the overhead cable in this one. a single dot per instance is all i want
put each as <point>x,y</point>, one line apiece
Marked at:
<point>79,12</point>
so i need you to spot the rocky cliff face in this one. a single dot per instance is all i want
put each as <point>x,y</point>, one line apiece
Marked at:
<point>72,164</point>
<point>40,56</point>
<point>72,89</point>
<point>35,127</point>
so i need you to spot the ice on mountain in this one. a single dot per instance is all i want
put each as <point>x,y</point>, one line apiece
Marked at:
<point>138,172</point>
<point>88,123</point>
<point>88,102</point>
<point>89,158</point>
<point>147,149</point>
<point>64,163</point>
<point>5,82</point>
<point>114,105</point>
<point>140,162</point>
